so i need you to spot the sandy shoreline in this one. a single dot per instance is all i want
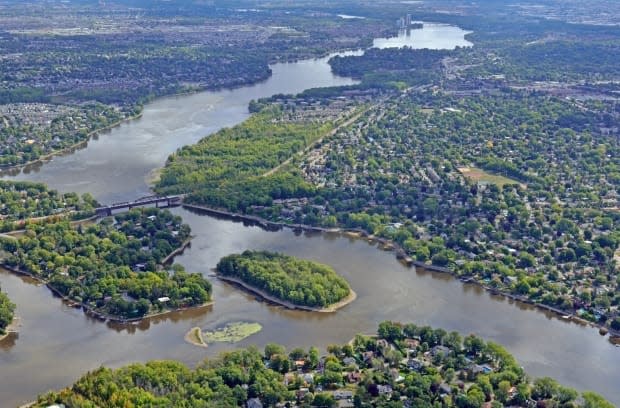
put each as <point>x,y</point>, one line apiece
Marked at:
<point>330,309</point>
<point>194,336</point>
<point>11,328</point>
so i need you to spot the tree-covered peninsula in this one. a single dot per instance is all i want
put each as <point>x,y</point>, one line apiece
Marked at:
<point>403,366</point>
<point>6,312</point>
<point>294,281</point>
<point>234,167</point>
<point>112,268</point>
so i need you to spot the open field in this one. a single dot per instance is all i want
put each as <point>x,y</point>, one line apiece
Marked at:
<point>481,176</point>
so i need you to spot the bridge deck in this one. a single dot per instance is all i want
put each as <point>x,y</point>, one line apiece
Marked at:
<point>170,201</point>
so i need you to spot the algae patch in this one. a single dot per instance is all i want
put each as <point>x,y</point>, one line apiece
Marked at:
<point>230,333</point>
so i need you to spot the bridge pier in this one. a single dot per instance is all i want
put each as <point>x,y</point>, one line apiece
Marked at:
<point>103,212</point>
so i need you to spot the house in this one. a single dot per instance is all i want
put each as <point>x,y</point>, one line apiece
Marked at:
<point>414,364</point>
<point>384,390</point>
<point>382,343</point>
<point>411,343</point>
<point>508,280</point>
<point>253,403</point>
<point>349,361</point>
<point>301,393</point>
<point>512,392</point>
<point>343,395</point>
<point>289,378</point>
<point>475,369</point>
<point>395,374</point>
<point>367,356</point>
<point>354,377</point>
<point>445,389</point>
<point>345,404</point>
<point>308,378</point>
<point>440,351</point>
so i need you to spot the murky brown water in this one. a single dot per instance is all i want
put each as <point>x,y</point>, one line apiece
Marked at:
<point>57,343</point>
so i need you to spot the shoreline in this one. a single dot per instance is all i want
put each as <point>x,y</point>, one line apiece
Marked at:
<point>401,255</point>
<point>89,310</point>
<point>177,251</point>
<point>11,328</point>
<point>46,157</point>
<point>272,299</point>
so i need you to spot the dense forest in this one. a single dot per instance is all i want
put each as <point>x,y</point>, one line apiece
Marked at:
<point>404,366</point>
<point>114,266</point>
<point>554,60</point>
<point>391,67</point>
<point>227,169</point>
<point>301,282</point>
<point>23,200</point>
<point>6,312</point>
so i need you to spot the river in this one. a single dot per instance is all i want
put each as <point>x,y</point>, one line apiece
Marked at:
<point>56,344</point>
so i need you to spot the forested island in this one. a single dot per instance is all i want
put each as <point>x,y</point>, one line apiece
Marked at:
<point>7,308</point>
<point>403,366</point>
<point>111,268</point>
<point>287,280</point>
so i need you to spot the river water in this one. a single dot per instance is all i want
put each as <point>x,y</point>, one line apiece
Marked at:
<point>56,344</point>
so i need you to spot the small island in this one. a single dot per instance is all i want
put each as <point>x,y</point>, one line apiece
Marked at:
<point>288,281</point>
<point>231,333</point>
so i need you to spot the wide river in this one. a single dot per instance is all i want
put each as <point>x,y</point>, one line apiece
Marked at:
<point>57,343</point>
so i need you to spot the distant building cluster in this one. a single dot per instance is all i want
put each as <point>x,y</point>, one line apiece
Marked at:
<point>404,22</point>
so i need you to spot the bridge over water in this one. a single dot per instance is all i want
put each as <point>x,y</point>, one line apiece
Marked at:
<point>158,201</point>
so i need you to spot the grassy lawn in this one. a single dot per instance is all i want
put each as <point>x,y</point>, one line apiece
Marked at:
<point>479,175</point>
